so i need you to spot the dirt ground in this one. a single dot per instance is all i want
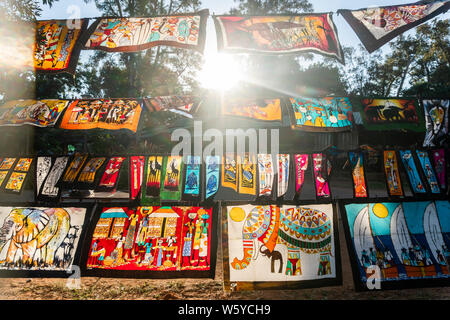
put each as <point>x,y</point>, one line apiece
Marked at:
<point>94,288</point>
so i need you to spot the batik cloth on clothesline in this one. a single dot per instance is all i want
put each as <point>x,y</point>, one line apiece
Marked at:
<point>153,175</point>
<point>429,173</point>
<point>192,179</point>
<point>169,240</point>
<point>301,166</point>
<point>40,113</point>
<point>271,247</point>
<point>283,165</point>
<point>230,171</point>
<point>135,34</point>
<point>90,174</point>
<point>436,121</point>
<point>212,176</point>
<point>185,105</point>
<point>49,185</point>
<point>322,171</point>
<point>392,173</point>
<point>110,178</point>
<point>110,114</point>
<point>356,160</point>
<point>278,34</point>
<point>378,25</point>
<point>43,167</point>
<point>439,162</point>
<point>76,163</point>
<point>413,174</point>
<point>258,109</point>
<point>266,172</point>
<point>321,114</point>
<point>399,242</point>
<point>137,166</point>
<point>172,176</point>
<point>247,173</point>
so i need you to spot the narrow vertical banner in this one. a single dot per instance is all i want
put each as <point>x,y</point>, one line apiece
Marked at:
<point>427,168</point>
<point>43,166</point>
<point>192,180</point>
<point>301,165</point>
<point>359,181</point>
<point>171,189</point>
<point>110,177</point>
<point>212,176</point>
<point>439,165</point>
<point>283,174</point>
<point>49,187</point>
<point>411,169</point>
<point>322,169</point>
<point>247,174</point>
<point>136,175</point>
<point>153,178</point>
<point>72,171</point>
<point>229,171</point>
<point>266,174</point>
<point>392,173</point>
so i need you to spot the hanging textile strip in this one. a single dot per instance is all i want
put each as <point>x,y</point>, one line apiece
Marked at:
<point>18,176</point>
<point>230,171</point>
<point>43,166</point>
<point>378,25</point>
<point>258,109</point>
<point>247,173</point>
<point>110,178</point>
<point>49,188</point>
<point>40,113</point>
<point>135,34</point>
<point>89,175</point>
<point>192,184</point>
<point>212,175</point>
<point>427,168</point>
<point>411,169</point>
<point>278,34</point>
<point>322,114</point>
<point>322,169</point>
<point>136,175</point>
<point>359,181</point>
<point>392,173</point>
<point>57,45</point>
<point>436,119</point>
<point>440,165</point>
<point>111,114</point>
<point>266,174</point>
<point>392,114</point>
<point>153,183</point>
<point>283,174</point>
<point>301,165</point>
<point>181,104</point>
<point>173,173</point>
<point>73,170</point>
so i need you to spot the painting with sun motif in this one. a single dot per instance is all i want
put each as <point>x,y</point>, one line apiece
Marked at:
<point>393,242</point>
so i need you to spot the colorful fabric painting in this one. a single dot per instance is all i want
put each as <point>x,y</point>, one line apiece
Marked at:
<point>73,169</point>
<point>392,114</point>
<point>36,238</point>
<point>192,180</point>
<point>378,25</point>
<point>39,113</point>
<point>440,165</point>
<point>134,34</point>
<point>266,174</point>
<point>212,175</point>
<point>395,242</point>
<point>322,170</point>
<point>181,104</point>
<point>43,166</point>
<point>359,181</point>
<point>23,164</point>
<point>16,181</point>
<point>136,175</point>
<point>392,173</point>
<point>230,171</point>
<point>301,165</point>
<point>57,45</point>
<point>110,177</point>
<point>279,34</point>
<point>436,119</point>
<point>258,109</point>
<point>7,163</point>
<point>411,169</point>
<point>154,168</point>
<point>283,174</point>
<point>152,238</point>
<point>269,246</point>
<point>90,173</point>
<point>172,178</point>
<point>322,114</point>
<point>427,168</point>
<point>111,114</point>
<point>3,174</point>
<point>247,174</point>
<point>50,188</point>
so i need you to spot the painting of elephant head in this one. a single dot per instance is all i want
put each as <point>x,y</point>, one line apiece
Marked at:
<point>39,238</point>
<point>287,243</point>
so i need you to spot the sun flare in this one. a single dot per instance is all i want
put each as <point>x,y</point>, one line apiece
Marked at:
<point>220,71</point>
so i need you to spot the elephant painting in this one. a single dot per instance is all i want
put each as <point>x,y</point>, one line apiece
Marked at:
<point>297,229</point>
<point>31,237</point>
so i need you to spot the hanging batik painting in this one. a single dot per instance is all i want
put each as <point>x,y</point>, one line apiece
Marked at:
<point>411,169</point>
<point>394,242</point>
<point>321,114</point>
<point>153,178</point>
<point>278,34</point>
<point>266,174</point>
<point>427,168</point>
<point>172,178</point>
<point>3,174</point>
<point>40,113</point>
<point>43,166</point>
<point>110,114</point>
<point>40,239</point>
<point>49,187</point>
<point>137,164</point>
<point>322,170</point>
<point>247,173</point>
<point>436,119</point>
<point>279,247</point>
<point>192,179</point>
<point>17,178</point>
<point>392,173</point>
<point>283,174</point>
<point>134,34</point>
<point>90,174</point>
<point>376,26</point>
<point>57,45</point>
<point>152,238</point>
<point>301,165</point>
<point>7,163</point>
<point>257,109</point>
<point>392,114</point>
<point>110,178</point>
<point>185,105</point>
<point>72,171</point>
<point>212,176</point>
<point>439,162</point>
<point>230,171</point>
<point>357,167</point>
